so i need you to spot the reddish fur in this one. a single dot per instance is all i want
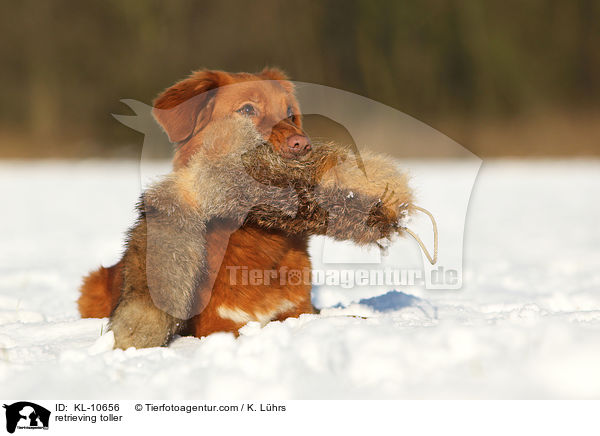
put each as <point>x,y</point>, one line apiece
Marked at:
<point>250,247</point>
<point>254,248</point>
<point>100,292</point>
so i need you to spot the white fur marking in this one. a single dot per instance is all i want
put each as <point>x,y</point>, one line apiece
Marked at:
<point>235,314</point>
<point>242,317</point>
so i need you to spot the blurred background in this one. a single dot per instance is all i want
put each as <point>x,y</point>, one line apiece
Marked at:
<point>502,78</point>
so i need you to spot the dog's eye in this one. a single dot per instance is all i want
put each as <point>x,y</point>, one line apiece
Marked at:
<point>247,110</point>
<point>290,112</point>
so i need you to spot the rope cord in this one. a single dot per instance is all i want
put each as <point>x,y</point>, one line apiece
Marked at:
<point>432,260</point>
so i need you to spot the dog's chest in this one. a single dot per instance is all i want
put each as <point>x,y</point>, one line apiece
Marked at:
<point>258,276</point>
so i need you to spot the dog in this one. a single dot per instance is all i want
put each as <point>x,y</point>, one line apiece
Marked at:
<point>184,111</point>
<point>187,111</point>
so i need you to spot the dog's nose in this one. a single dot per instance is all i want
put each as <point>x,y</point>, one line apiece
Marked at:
<point>298,144</point>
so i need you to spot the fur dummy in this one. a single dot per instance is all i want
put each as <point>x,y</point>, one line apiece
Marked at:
<point>236,175</point>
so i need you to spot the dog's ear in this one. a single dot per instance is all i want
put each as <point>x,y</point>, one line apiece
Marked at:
<point>187,105</point>
<point>269,73</point>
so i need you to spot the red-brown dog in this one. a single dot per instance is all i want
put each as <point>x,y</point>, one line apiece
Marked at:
<point>184,111</point>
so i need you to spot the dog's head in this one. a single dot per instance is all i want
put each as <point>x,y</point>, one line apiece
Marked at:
<point>185,109</point>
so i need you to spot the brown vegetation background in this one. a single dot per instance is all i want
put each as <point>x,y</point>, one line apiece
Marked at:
<point>503,78</point>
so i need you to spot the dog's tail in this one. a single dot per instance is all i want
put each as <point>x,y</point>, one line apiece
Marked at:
<point>100,291</point>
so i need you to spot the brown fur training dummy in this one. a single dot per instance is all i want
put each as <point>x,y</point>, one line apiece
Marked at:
<point>237,176</point>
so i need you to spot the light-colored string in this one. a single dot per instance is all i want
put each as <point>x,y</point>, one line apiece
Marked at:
<point>431,260</point>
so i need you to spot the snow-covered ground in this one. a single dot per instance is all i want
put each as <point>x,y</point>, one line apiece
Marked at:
<point>525,325</point>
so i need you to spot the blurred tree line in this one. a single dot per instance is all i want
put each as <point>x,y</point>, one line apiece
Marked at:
<point>66,63</point>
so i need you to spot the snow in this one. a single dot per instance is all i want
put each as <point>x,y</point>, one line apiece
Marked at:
<point>526,323</point>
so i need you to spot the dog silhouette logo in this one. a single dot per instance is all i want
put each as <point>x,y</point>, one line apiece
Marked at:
<point>26,415</point>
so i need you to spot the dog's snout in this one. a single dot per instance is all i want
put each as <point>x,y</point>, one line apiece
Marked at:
<point>299,144</point>
<point>289,140</point>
